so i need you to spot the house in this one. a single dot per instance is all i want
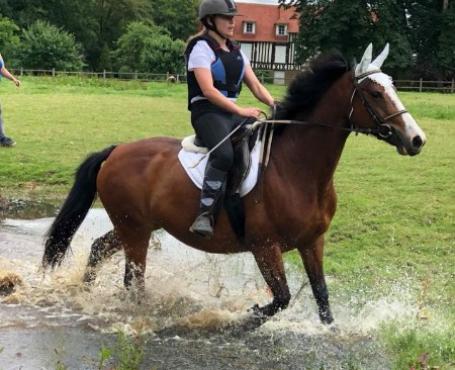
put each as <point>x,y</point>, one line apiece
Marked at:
<point>266,33</point>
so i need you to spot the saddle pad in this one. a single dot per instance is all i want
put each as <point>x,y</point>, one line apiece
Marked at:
<point>189,159</point>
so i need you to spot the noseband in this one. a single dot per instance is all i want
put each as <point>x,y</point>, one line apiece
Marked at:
<point>382,129</point>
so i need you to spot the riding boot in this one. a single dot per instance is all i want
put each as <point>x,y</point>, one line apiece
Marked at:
<point>213,189</point>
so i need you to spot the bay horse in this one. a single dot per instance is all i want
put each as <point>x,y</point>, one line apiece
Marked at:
<point>143,187</point>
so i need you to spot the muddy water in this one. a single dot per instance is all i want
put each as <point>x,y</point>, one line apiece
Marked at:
<point>192,317</point>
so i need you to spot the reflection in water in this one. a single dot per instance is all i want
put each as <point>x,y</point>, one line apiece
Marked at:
<point>193,312</point>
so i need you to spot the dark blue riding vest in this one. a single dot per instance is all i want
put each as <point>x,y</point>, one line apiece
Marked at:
<point>228,69</point>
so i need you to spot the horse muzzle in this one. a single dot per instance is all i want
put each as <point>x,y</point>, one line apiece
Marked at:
<point>410,145</point>
<point>406,145</point>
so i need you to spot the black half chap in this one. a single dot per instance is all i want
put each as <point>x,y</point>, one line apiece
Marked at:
<point>211,128</point>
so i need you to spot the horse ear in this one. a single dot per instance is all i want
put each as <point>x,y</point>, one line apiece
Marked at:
<point>381,57</point>
<point>362,67</point>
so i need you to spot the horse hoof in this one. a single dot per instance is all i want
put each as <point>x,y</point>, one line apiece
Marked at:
<point>256,310</point>
<point>325,316</point>
<point>88,279</point>
<point>263,312</point>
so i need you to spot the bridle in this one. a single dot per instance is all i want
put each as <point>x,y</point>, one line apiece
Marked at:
<point>382,129</point>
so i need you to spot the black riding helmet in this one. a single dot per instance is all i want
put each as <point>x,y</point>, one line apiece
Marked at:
<point>208,9</point>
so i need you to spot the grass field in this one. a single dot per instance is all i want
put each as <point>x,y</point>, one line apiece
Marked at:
<point>394,226</point>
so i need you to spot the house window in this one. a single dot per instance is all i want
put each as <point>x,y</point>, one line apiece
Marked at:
<point>281,29</point>
<point>247,49</point>
<point>249,27</point>
<point>280,54</point>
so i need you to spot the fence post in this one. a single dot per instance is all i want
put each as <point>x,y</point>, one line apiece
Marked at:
<point>22,71</point>
<point>452,89</point>
<point>420,85</point>
<point>53,72</point>
<point>104,74</point>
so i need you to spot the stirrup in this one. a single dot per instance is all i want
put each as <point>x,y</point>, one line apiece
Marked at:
<point>203,225</point>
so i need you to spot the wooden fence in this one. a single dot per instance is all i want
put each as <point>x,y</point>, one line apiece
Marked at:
<point>423,85</point>
<point>264,75</point>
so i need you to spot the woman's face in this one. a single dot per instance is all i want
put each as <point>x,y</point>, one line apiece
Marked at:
<point>225,25</point>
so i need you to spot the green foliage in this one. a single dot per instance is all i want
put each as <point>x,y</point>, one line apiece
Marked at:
<point>60,366</point>
<point>148,48</point>
<point>177,16</point>
<point>421,32</point>
<point>46,46</point>
<point>96,24</point>
<point>105,354</point>
<point>433,38</point>
<point>129,352</point>
<point>9,39</point>
<point>445,56</point>
<point>420,348</point>
<point>349,26</point>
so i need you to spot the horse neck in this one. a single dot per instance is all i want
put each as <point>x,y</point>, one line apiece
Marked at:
<point>313,152</point>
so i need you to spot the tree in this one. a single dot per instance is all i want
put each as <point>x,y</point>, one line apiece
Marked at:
<point>23,12</point>
<point>179,17</point>
<point>46,46</point>
<point>95,24</point>
<point>350,26</point>
<point>445,56</point>
<point>9,39</point>
<point>421,32</point>
<point>433,38</point>
<point>149,48</point>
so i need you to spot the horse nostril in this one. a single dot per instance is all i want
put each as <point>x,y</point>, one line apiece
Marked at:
<point>417,142</point>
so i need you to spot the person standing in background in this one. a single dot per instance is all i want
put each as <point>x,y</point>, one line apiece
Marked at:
<point>4,140</point>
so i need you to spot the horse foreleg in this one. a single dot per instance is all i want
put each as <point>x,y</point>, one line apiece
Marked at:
<point>312,256</point>
<point>102,248</point>
<point>270,263</point>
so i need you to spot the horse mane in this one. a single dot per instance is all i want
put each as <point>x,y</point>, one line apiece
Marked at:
<point>310,85</point>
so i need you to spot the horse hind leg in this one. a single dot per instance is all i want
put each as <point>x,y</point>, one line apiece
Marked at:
<point>270,263</point>
<point>312,256</point>
<point>102,248</point>
<point>135,245</point>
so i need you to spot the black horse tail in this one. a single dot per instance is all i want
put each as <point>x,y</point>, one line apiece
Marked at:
<point>75,208</point>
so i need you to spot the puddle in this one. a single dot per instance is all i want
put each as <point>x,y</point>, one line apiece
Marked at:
<point>26,209</point>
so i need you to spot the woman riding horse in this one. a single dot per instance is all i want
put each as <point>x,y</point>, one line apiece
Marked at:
<point>216,69</point>
<point>143,186</point>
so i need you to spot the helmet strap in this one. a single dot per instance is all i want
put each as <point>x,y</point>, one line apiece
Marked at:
<point>209,24</point>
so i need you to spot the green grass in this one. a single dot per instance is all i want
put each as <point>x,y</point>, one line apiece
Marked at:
<point>395,219</point>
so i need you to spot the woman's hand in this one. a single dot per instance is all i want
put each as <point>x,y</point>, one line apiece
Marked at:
<point>17,82</point>
<point>249,112</point>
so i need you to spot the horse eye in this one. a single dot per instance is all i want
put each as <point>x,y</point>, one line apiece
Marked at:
<point>376,94</point>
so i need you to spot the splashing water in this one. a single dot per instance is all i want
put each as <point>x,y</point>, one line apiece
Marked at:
<point>187,292</point>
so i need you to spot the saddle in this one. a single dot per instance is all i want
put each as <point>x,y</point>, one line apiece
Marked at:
<point>246,155</point>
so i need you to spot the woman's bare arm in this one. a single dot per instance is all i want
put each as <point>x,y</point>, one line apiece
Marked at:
<point>205,81</point>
